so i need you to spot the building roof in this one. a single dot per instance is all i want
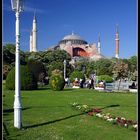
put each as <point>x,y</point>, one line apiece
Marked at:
<point>72,37</point>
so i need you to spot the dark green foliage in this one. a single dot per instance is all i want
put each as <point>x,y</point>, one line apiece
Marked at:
<point>90,68</point>
<point>69,69</point>
<point>36,68</point>
<point>48,56</point>
<point>104,67</point>
<point>34,56</point>
<point>76,74</point>
<point>55,65</point>
<point>57,82</point>
<point>106,78</point>
<point>133,63</point>
<point>27,80</point>
<point>9,55</point>
<point>55,55</point>
<point>60,66</point>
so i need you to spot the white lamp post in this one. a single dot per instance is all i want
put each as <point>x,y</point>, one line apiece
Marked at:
<point>64,69</point>
<point>17,6</point>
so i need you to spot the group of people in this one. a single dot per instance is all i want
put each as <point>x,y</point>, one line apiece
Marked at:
<point>78,83</point>
<point>81,83</point>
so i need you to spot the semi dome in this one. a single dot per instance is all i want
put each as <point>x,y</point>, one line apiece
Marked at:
<point>73,38</point>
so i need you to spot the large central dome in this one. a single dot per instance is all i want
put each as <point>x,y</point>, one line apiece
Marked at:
<point>73,38</point>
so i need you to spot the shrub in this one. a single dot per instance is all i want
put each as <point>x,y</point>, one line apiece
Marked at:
<point>36,68</point>
<point>56,72</point>
<point>27,79</point>
<point>76,74</point>
<point>53,66</point>
<point>57,82</point>
<point>106,78</point>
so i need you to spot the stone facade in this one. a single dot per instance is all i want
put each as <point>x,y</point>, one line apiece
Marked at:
<point>78,47</point>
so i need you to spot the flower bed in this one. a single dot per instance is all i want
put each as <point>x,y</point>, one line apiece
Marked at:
<point>121,121</point>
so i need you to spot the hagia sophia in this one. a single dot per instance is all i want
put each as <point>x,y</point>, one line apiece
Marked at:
<point>75,45</point>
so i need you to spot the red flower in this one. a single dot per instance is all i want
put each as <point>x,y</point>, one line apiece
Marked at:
<point>119,118</point>
<point>123,121</point>
<point>96,110</point>
<point>90,113</point>
<point>118,121</point>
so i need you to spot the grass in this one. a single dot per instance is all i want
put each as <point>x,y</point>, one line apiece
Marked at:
<point>47,115</point>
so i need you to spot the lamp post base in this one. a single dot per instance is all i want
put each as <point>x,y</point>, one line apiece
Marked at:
<point>17,118</point>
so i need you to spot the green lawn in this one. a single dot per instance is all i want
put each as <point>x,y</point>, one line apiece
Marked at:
<point>48,115</point>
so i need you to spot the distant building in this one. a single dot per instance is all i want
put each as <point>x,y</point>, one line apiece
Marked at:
<point>77,47</point>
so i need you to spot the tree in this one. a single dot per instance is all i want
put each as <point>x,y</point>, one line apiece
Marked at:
<point>51,59</point>
<point>69,69</point>
<point>104,67</point>
<point>55,55</point>
<point>120,71</point>
<point>34,56</point>
<point>36,68</point>
<point>133,63</point>
<point>90,68</point>
<point>9,58</point>
<point>55,65</point>
<point>9,55</point>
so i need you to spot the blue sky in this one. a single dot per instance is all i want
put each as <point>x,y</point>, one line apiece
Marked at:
<point>57,18</point>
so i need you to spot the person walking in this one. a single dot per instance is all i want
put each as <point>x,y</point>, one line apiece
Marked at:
<point>81,83</point>
<point>89,84</point>
<point>92,83</point>
<point>104,83</point>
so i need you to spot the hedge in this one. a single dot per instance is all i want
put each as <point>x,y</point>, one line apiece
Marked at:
<point>106,78</point>
<point>27,79</point>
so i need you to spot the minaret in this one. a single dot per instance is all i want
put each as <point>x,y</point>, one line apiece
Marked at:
<point>31,42</point>
<point>99,44</point>
<point>117,43</point>
<point>34,34</point>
